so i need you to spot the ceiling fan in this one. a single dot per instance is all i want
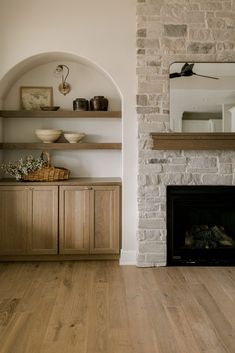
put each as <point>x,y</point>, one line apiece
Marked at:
<point>187,70</point>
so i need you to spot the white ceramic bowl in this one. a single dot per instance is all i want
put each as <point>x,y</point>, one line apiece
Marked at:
<point>48,135</point>
<point>74,137</point>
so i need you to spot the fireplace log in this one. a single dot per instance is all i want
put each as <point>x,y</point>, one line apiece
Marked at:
<point>207,237</point>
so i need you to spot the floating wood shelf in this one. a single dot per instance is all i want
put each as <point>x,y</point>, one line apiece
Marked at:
<point>59,114</point>
<point>193,141</point>
<point>62,146</point>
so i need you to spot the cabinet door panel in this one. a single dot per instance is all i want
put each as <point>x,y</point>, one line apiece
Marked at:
<point>44,220</point>
<point>14,220</point>
<point>74,220</point>
<point>105,232</point>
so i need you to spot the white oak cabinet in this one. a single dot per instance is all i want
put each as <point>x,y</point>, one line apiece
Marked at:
<point>43,220</point>
<point>14,220</point>
<point>28,220</point>
<point>89,219</point>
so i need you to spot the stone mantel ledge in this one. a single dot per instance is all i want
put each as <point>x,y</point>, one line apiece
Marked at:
<point>193,141</point>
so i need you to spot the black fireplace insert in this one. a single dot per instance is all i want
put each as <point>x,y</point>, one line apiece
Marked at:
<point>201,225</point>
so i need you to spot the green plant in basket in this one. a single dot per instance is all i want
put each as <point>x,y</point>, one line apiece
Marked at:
<point>23,166</point>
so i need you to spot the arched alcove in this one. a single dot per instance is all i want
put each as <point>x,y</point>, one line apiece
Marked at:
<point>87,79</point>
<point>32,62</point>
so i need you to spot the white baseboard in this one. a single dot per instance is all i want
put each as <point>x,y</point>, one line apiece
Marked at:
<point>128,257</point>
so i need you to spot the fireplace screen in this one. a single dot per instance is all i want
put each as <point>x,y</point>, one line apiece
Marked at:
<point>201,225</point>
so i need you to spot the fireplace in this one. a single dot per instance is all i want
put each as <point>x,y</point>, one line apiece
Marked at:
<point>201,225</point>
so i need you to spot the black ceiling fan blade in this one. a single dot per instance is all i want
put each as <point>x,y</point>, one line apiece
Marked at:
<point>187,69</point>
<point>214,78</point>
<point>175,74</point>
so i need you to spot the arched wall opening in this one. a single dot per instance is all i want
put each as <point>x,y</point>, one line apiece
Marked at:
<point>86,79</point>
<point>32,62</point>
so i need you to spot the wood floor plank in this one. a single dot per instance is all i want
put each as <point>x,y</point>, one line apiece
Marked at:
<point>120,339</point>
<point>203,330</point>
<point>141,330</point>
<point>182,330</point>
<point>16,278</point>
<point>215,289</point>
<point>99,306</point>
<point>223,327</point>
<point>7,309</point>
<point>17,334</point>
<point>225,278</point>
<point>156,312</point>
<point>68,326</point>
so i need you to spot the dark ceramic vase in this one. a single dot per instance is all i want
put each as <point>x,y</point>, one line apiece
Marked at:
<point>80,104</point>
<point>99,103</point>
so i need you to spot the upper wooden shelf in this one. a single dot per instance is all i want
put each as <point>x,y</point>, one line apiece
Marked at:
<point>61,146</point>
<point>193,141</point>
<point>59,114</point>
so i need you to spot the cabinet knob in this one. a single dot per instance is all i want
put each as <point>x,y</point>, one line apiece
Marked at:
<point>88,188</point>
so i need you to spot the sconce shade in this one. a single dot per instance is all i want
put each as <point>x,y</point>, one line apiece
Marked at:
<point>64,88</point>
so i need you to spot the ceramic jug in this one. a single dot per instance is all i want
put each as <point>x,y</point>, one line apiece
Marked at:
<point>99,103</point>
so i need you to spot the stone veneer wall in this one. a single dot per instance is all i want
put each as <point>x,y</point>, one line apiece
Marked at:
<point>169,31</point>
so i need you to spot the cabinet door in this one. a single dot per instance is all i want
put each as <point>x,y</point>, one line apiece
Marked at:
<point>14,219</point>
<point>74,219</point>
<point>43,235</point>
<point>105,220</point>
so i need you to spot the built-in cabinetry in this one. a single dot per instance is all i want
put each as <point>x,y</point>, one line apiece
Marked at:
<point>75,217</point>
<point>60,220</point>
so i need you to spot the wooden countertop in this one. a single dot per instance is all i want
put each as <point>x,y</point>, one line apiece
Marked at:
<point>71,181</point>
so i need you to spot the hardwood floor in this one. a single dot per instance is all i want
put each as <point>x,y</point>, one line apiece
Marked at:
<point>101,307</point>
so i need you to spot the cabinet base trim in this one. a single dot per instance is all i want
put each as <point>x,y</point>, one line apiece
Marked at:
<point>4,258</point>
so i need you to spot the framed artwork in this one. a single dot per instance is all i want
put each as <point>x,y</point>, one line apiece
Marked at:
<point>33,98</point>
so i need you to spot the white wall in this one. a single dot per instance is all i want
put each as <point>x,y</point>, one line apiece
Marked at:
<point>104,33</point>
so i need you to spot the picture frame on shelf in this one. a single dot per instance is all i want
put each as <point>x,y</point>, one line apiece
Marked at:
<point>34,97</point>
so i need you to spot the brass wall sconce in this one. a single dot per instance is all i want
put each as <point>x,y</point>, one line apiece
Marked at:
<point>64,87</point>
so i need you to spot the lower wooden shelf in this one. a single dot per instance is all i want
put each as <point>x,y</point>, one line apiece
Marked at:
<point>61,146</point>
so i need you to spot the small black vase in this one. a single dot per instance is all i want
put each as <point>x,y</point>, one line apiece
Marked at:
<point>80,104</point>
<point>99,103</point>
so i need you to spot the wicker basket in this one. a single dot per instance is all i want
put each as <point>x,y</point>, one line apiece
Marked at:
<point>47,173</point>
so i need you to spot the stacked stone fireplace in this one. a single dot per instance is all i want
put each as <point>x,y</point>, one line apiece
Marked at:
<point>170,31</point>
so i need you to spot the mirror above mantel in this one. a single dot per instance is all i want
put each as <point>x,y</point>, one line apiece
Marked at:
<point>202,108</point>
<point>202,97</point>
